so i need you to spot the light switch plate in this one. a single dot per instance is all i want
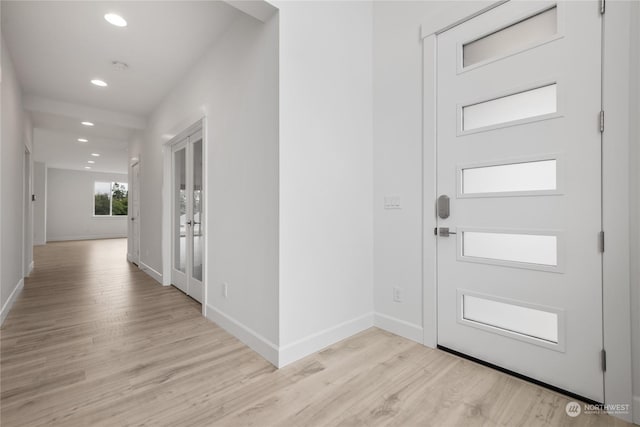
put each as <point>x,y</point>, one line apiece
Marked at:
<point>392,202</point>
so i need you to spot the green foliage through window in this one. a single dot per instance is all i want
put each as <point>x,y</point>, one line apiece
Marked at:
<point>110,199</point>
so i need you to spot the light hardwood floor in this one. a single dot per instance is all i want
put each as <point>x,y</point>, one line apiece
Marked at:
<point>93,341</point>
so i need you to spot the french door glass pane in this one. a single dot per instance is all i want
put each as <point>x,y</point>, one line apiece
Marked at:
<point>180,209</point>
<point>197,211</point>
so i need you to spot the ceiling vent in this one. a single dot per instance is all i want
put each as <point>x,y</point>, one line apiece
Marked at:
<point>119,66</point>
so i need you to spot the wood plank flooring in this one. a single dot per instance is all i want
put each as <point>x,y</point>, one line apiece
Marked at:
<point>93,341</point>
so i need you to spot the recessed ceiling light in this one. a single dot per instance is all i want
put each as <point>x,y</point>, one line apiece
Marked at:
<point>83,140</point>
<point>87,167</point>
<point>95,154</point>
<point>115,19</point>
<point>90,162</point>
<point>87,123</point>
<point>99,82</point>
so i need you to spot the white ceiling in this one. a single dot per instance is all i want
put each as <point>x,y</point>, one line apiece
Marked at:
<point>57,47</point>
<point>60,149</point>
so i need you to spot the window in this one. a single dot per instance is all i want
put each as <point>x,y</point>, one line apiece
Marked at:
<point>110,198</point>
<point>513,38</point>
<point>518,106</point>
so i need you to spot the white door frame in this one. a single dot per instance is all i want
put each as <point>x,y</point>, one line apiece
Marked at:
<point>132,257</point>
<point>27,212</point>
<point>615,209</point>
<point>179,132</point>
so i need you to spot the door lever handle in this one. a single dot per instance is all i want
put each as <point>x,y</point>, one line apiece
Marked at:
<point>444,232</point>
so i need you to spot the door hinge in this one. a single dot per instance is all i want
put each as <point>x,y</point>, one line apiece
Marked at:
<point>602,6</point>
<point>603,359</point>
<point>601,241</point>
<point>601,120</point>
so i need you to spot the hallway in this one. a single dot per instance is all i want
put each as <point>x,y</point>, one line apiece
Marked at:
<point>92,340</point>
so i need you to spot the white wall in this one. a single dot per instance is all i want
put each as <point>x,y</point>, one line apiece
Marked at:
<point>12,149</point>
<point>397,112</point>
<point>326,191</point>
<point>235,85</point>
<point>40,205</point>
<point>70,206</point>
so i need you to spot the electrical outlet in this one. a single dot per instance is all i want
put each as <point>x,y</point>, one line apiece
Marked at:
<point>397,294</point>
<point>225,290</point>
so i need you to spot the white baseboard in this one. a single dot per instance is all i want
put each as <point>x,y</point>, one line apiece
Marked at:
<point>151,272</point>
<point>248,336</point>
<point>636,410</point>
<point>86,237</point>
<point>6,308</point>
<point>315,342</point>
<point>399,327</point>
<point>30,269</point>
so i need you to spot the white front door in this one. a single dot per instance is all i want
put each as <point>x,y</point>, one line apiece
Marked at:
<point>519,157</point>
<point>187,224</point>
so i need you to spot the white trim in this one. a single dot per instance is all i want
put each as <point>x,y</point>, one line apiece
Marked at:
<point>204,214</point>
<point>86,237</point>
<point>429,195</point>
<point>399,327</point>
<point>136,191</point>
<point>458,13</point>
<point>151,272</point>
<point>6,308</point>
<point>308,345</point>
<point>259,9</point>
<point>636,410</point>
<point>30,268</point>
<point>248,336</point>
<point>615,205</point>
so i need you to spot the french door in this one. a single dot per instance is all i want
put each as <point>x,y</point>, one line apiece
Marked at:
<point>187,219</point>
<point>519,185</point>
<point>134,197</point>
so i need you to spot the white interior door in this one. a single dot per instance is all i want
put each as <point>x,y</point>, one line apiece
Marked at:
<point>134,193</point>
<point>187,218</point>
<point>519,156</point>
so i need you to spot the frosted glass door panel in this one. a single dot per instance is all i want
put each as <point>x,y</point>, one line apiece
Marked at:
<point>180,209</point>
<point>522,105</point>
<point>515,37</point>
<point>514,177</point>
<point>526,248</point>
<point>513,318</point>
<point>197,211</point>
